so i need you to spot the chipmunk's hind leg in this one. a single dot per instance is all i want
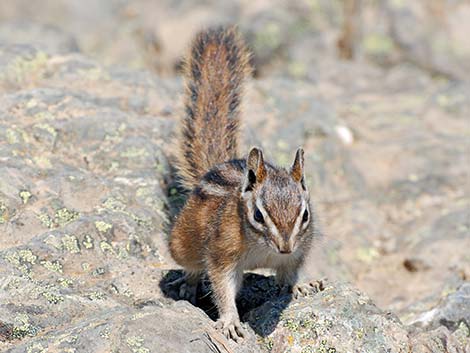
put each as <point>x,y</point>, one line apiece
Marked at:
<point>188,285</point>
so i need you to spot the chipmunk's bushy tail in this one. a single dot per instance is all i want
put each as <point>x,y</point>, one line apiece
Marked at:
<point>214,73</point>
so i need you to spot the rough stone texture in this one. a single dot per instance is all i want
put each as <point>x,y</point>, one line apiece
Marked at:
<point>87,190</point>
<point>153,34</point>
<point>338,319</point>
<point>183,328</point>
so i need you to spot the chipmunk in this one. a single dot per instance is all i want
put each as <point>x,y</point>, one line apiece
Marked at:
<point>241,214</point>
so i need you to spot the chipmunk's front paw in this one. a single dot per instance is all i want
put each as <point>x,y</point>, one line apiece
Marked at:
<point>306,289</point>
<point>231,328</point>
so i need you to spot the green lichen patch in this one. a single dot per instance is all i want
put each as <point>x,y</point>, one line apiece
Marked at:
<point>105,333</point>
<point>134,152</point>
<point>21,257</point>
<point>307,330</point>
<point>65,282</point>
<point>367,254</point>
<point>42,162</point>
<point>46,220</point>
<point>140,315</point>
<point>377,44</point>
<point>309,349</point>
<point>96,295</point>
<point>114,204</point>
<point>3,213</point>
<point>267,343</point>
<point>136,344</point>
<point>291,324</point>
<point>71,244</point>
<point>102,226</point>
<point>325,347</point>
<point>141,221</point>
<point>451,102</point>
<point>269,36</point>
<point>87,242</point>
<point>64,216</point>
<point>123,253</point>
<point>48,128</point>
<point>45,133</point>
<point>297,69</point>
<point>95,74</point>
<point>23,327</point>
<point>106,247</point>
<point>25,196</point>
<point>114,166</point>
<point>24,68</point>
<point>117,205</point>
<point>462,334</point>
<point>44,115</point>
<point>149,198</point>
<point>14,284</point>
<point>48,292</point>
<point>12,136</point>
<point>144,192</point>
<point>53,266</point>
<point>36,348</point>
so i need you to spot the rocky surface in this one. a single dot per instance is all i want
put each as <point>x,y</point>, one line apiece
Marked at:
<point>87,188</point>
<point>428,34</point>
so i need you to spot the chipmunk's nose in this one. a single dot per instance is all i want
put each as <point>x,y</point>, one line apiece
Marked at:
<point>285,248</point>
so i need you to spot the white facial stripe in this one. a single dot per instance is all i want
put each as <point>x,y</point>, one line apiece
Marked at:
<point>271,226</point>
<point>298,221</point>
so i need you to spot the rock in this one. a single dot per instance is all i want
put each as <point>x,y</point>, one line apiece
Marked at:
<point>430,36</point>
<point>82,195</point>
<point>175,328</point>
<point>295,39</point>
<point>338,319</point>
<point>47,38</point>
<point>451,312</point>
<point>442,340</point>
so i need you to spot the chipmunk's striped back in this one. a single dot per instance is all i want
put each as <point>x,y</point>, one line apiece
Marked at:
<point>214,71</point>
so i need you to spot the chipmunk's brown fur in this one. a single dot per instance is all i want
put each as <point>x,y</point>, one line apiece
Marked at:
<point>242,213</point>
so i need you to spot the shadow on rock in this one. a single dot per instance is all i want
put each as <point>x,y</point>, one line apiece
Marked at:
<point>256,291</point>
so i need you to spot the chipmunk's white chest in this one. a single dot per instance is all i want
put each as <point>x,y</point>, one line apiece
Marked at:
<point>261,257</point>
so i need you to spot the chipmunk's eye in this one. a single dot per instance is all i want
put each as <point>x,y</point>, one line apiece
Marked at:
<point>305,216</point>
<point>258,216</point>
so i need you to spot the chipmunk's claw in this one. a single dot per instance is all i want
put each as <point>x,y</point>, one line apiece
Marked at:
<point>231,328</point>
<point>306,289</point>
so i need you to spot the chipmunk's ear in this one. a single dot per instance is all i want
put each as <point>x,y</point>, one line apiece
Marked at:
<point>256,170</point>
<point>297,169</point>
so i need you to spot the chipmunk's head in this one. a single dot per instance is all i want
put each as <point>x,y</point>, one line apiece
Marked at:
<point>277,202</point>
